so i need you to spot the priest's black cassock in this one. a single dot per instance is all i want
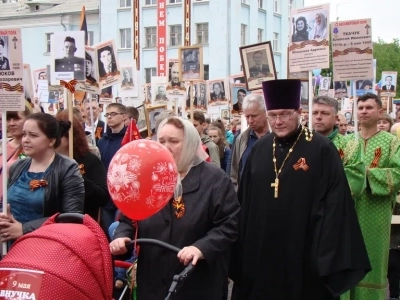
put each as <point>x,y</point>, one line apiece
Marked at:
<point>307,243</point>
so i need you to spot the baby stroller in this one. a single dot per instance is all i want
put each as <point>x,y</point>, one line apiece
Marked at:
<point>68,257</point>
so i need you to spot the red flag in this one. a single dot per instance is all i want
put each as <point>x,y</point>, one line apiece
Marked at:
<point>131,133</point>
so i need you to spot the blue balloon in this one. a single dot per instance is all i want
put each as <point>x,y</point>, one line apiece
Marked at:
<point>317,72</point>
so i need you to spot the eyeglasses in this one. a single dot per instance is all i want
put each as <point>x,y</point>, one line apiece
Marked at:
<point>282,117</point>
<point>112,114</point>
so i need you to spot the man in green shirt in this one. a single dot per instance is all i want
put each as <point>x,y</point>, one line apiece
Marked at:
<point>325,115</point>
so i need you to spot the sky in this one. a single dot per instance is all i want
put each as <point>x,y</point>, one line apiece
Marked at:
<point>384,14</point>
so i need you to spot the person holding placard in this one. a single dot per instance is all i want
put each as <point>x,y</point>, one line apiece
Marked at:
<point>299,237</point>
<point>381,151</point>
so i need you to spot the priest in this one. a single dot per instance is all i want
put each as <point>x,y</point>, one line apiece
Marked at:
<point>299,234</point>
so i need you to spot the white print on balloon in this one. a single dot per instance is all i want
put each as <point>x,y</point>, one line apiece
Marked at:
<point>124,175</point>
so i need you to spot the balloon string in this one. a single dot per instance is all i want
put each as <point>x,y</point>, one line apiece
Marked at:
<point>136,250</point>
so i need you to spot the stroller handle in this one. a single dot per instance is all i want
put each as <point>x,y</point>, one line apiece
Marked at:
<point>70,218</point>
<point>154,242</point>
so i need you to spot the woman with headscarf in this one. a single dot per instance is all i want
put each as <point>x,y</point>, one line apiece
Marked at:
<point>301,30</point>
<point>319,30</point>
<point>205,229</point>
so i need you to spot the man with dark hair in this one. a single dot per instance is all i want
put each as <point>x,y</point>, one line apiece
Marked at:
<point>199,122</point>
<point>389,87</point>
<point>241,93</point>
<point>4,62</point>
<point>381,152</point>
<point>190,64</point>
<point>325,116</point>
<point>71,63</point>
<point>299,237</point>
<point>108,145</point>
<point>89,68</point>
<point>259,69</point>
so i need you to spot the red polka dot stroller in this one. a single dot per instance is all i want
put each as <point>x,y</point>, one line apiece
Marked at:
<point>68,257</point>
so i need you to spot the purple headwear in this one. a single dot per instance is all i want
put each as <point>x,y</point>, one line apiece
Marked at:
<point>282,94</point>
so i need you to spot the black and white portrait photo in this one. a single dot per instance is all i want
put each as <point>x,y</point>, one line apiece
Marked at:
<point>217,93</point>
<point>68,53</point>
<point>258,64</point>
<point>300,29</point>
<point>190,63</point>
<point>174,84</point>
<point>127,81</point>
<point>202,96</point>
<point>106,60</point>
<point>324,83</point>
<point>304,94</point>
<point>340,89</point>
<point>153,113</point>
<point>107,64</point>
<point>4,61</point>
<point>90,68</point>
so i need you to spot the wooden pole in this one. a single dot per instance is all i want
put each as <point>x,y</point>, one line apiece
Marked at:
<point>191,101</point>
<point>4,160</point>
<point>68,100</point>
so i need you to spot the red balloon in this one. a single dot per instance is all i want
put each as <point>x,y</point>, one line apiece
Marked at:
<point>141,178</point>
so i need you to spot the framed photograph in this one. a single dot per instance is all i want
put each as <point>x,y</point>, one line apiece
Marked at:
<point>389,83</point>
<point>238,92</point>
<point>152,111</point>
<point>258,64</point>
<point>141,123</point>
<point>107,64</point>
<point>304,94</point>
<point>191,63</point>
<point>68,56</point>
<point>225,114</point>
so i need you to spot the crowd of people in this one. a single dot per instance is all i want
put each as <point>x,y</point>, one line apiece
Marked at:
<point>283,210</point>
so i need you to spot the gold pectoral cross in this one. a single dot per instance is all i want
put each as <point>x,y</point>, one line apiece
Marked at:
<point>275,185</point>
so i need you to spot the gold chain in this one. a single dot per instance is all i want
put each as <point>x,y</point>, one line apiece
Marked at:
<point>276,184</point>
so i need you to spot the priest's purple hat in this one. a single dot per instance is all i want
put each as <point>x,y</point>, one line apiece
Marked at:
<point>282,94</point>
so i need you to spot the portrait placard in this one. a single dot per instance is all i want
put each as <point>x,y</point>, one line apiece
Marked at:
<point>389,83</point>
<point>238,92</point>
<point>67,56</point>
<point>191,63</point>
<point>309,46</point>
<point>91,82</point>
<point>129,83</point>
<point>152,111</point>
<point>258,64</point>
<point>352,53</point>
<point>11,71</point>
<point>108,67</point>
<point>175,86</point>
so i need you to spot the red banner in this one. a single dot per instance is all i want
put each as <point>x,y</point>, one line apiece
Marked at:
<point>136,53</point>
<point>187,13</point>
<point>161,39</point>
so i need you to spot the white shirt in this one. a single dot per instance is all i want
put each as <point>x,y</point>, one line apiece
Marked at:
<point>89,128</point>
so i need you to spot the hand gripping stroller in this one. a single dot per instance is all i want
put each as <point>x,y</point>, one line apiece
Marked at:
<point>178,279</point>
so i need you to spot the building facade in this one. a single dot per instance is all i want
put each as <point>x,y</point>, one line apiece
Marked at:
<point>220,26</point>
<point>39,19</point>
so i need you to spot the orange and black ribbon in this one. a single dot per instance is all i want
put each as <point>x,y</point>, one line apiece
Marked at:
<point>70,85</point>
<point>377,157</point>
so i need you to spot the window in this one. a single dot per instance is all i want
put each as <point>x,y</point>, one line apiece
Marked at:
<point>277,7</point>
<point>260,35</point>
<point>125,38</point>
<point>151,37</point>
<point>150,72</point>
<point>290,5</point>
<point>202,33</point>
<point>260,4</point>
<point>244,1</point>
<point>90,38</point>
<point>175,35</point>
<point>151,2</point>
<point>206,72</point>
<point>48,42</point>
<point>243,29</point>
<point>125,3</point>
<point>175,1</point>
<point>275,42</point>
